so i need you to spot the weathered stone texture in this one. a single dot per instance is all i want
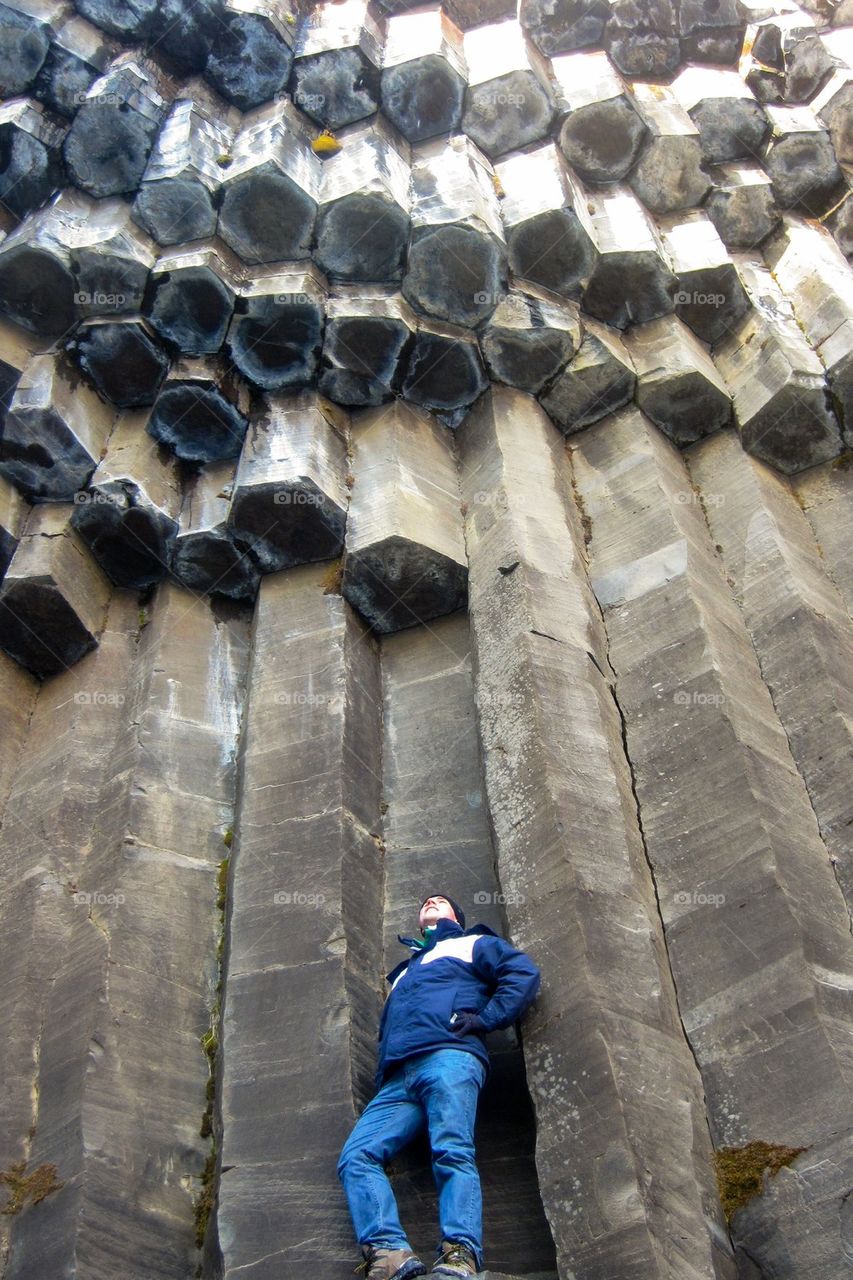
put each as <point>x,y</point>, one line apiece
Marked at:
<point>757,930</point>
<point>571,864</point>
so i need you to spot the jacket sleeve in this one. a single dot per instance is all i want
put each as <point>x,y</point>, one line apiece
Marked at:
<point>516,977</point>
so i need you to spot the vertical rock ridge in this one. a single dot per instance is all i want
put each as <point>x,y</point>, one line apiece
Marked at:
<point>617,1170</point>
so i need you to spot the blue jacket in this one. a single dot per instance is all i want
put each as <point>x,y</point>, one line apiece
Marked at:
<point>453,969</point>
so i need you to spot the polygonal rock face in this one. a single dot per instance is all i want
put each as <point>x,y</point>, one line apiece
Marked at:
<point>277,330</point>
<point>205,557</point>
<point>183,34</point>
<point>642,42</point>
<point>129,19</point>
<point>423,74</point>
<point>365,336</point>
<point>711,30</point>
<point>122,358</point>
<point>405,556</point>
<point>559,26</point>
<point>833,107</point>
<point>710,297</point>
<point>249,60</point>
<point>456,263</point>
<point>24,43</point>
<point>529,338</point>
<point>598,380</point>
<point>668,174</point>
<point>289,501</point>
<point>363,220</point>
<point>36,284</point>
<point>632,281</point>
<point>741,205</point>
<point>54,597</point>
<point>336,64</point>
<point>126,516</point>
<point>800,160</point>
<point>731,124</point>
<point>781,402</point>
<point>202,411</point>
<point>55,431</point>
<point>784,59</point>
<point>112,134</point>
<point>508,101</point>
<point>677,384</point>
<point>444,372</point>
<point>546,221</point>
<point>191,299</point>
<point>271,189</point>
<point>602,133</point>
<point>13,515</point>
<point>30,159</point>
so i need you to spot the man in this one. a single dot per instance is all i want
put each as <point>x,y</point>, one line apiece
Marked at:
<point>457,984</point>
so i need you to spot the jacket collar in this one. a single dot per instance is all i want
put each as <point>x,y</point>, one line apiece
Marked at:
<point>444,929</point>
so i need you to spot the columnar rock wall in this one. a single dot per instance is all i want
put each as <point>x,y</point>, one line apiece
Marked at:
<point>425,466</point>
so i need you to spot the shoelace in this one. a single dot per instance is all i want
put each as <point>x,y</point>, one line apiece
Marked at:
<point>456,1253</point>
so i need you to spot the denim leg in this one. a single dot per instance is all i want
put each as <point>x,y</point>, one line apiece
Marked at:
<point>389,1121</point>
<point>448,1083</point>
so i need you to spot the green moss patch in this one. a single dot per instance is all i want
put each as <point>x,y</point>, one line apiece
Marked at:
<point>27,1188</point>
<point>740,1171</point>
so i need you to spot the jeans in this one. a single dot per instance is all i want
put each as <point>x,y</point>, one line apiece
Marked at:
<point>438,1088</point>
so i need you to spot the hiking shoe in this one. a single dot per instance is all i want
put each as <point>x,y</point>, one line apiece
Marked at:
<point>456,1259</point>
<point>389,1264</point>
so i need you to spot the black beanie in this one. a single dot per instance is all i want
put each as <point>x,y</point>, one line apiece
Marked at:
<point>457,910</point>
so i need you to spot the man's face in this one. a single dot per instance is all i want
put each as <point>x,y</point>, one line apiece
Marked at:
<point>435,909</point>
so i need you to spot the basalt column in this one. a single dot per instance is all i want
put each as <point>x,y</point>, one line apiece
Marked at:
<point>303,968</point>
<point>757,929</point>
<point>622,1146</point>
<point>437,840</point>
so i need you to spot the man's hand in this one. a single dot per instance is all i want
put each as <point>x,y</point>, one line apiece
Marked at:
<point>466,1023</point>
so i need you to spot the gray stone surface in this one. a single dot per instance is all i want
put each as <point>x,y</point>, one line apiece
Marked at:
<point>77,55</point>
<point>290,495</point>
<point>251,52</point>
<point>456,264</point>
<point>668,174</point>
<point>405,556</point>
<point>55,430</point>
<point>571,864</point>
<point>368,331</point>
<point>509,101</point>
<point>746,890</point>
<point>601,130</point>
<point>710,297</point>
<point>25,43</point>
<point>546,221</point>
<point>798,624</point>
<point>817,279</point>
<point>113,132</point>
<point>36,282</point>
<point>175,201</point>
<point>307,873</point>
<point>678,386</point>
<point>270,187</point>
<point>30,158</point>
<point>337,55</point>
<point>127,513</point>
<point>54,597</point>
<point>363,216</point>
<point>565,25</point>
<point>445,371</point>
<point>205,557</point>
<point>800,161</point>
<point>598,379</point>
<point>826,495</point>
<point>786,60</point>
<point>202,411</point>
<point>529,338</point>
<point>782,408</point>
<point>13,514</point>
<point>423,73</point>
<point>632,280</point>
<point>122,358</point>
<point>741,204</point>
<point>731,123</point>
<point>191,297</point>
<point>276,333</point>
